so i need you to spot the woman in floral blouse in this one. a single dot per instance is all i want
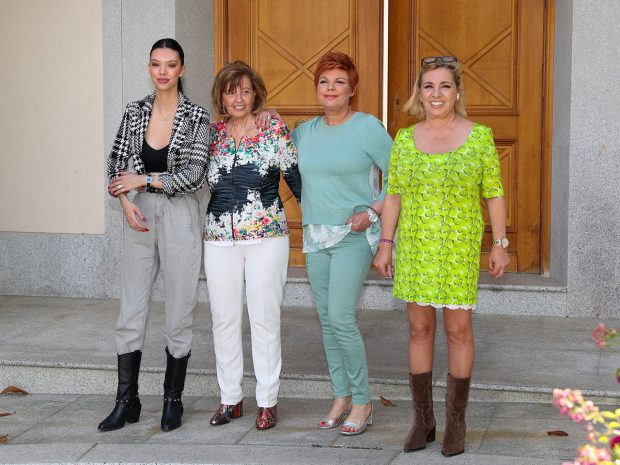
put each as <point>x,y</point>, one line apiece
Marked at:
<point>246,236</point>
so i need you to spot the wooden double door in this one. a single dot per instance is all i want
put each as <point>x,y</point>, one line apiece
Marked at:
<point>499,42</point>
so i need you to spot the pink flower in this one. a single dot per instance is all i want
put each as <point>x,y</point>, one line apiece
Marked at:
<point>598,337</point>
<point>599,425</point>
<point>589,409</point>
<point>577,417</point>
<point>589,455</point>
<point>266,220</point>
<point>572,404</point>
<point>566,400</point>
<point>602,335</point>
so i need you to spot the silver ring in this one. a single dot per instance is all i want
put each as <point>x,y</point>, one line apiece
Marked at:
<point>120,186</point>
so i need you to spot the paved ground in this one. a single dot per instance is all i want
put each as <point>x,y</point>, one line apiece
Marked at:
<point>62,429</point>
<point>63,351</point>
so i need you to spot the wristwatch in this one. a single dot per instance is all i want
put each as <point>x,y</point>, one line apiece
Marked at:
<point>503,242</point>
<point>372,215</point>
<point>149,180</point>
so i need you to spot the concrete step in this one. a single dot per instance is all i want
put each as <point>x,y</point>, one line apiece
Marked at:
<point>513,294</point>
<point>61,345</point>
<point>68,378</point>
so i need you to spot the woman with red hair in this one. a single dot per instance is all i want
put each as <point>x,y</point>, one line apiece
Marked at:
<point>340,156</point>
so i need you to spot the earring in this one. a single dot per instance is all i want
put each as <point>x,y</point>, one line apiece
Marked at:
<point>458,96</point>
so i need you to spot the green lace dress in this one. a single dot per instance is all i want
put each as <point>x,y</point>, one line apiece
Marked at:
<point>440,225</point>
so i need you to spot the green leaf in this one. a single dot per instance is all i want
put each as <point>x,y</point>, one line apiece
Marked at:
<point>609,415</point>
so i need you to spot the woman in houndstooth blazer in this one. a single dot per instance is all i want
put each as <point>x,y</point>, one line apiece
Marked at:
<point>161,151</point>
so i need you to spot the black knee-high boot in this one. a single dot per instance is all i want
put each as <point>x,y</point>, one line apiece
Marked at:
<point>174,382</point>
<point>127,408</point>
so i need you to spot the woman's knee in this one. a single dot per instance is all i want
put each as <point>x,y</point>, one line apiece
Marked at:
<point>421,331</point>
<point>459,334</point>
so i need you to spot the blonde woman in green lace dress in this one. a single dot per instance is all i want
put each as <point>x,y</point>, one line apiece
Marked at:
<point>439,169</point>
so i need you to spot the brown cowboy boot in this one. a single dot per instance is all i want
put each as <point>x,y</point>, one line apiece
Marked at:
<point>456,403</point>
<point>423,429</point>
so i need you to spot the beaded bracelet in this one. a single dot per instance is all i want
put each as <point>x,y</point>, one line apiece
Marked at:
<point>387,241</point>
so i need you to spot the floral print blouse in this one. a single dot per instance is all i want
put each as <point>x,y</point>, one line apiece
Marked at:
<point>245,204</point>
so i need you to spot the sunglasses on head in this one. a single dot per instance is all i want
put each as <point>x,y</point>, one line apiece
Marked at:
<point>433,62</point>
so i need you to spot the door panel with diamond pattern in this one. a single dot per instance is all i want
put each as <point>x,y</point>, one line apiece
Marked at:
<point>500,44</point>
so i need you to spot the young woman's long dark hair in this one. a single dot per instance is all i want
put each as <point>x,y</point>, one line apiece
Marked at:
<point>173,45</point>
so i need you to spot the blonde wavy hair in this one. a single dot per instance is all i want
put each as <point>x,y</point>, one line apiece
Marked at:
<point>414,105</point>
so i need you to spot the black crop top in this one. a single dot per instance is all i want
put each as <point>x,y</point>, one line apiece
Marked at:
<point>155,161</point>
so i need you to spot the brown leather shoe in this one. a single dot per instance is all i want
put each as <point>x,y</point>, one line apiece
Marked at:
<point>225,412</point>
<point>423,428</point>
<point>266,417</point>
<point>457,396</point>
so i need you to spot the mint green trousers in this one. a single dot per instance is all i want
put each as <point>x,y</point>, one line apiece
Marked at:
<point>336,276</point>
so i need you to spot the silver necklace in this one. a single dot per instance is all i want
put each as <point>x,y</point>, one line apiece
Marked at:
<point>164,118</point>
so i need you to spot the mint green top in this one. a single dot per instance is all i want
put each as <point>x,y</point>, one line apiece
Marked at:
<point>321,236</point>
<point>337,165</point>
<point>440,225</point>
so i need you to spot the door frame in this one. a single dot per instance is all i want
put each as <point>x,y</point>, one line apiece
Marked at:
<point>547,137</point>
<point>220,41</point>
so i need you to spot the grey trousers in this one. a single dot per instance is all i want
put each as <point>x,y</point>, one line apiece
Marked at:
<point>174,243</point>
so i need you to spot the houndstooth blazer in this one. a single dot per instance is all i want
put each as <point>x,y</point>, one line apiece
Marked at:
<point>188,151</point>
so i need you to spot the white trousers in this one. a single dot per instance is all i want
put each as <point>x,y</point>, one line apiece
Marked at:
<point>172,242</point>
<point>264,267</point>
